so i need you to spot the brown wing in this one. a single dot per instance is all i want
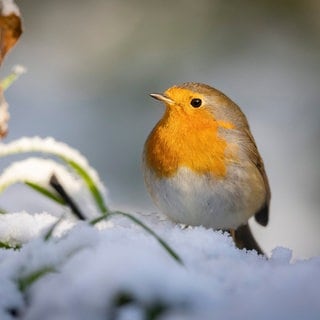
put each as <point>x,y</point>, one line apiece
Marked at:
<point>262,215</point>
<point>225,109</point>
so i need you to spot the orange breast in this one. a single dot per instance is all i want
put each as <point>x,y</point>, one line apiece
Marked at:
<point>189,140</point>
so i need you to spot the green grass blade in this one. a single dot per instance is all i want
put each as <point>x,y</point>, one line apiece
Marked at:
<point>5,245</point>
<point>49,233</point>
<point>164,244</point>
<point>8,81</point>
<point>99,219</point>
<point>45,192</point>
<point>12,77</point>
<point>25,282</point>
<point>150,231</point>
<point>94,190</point>
<point>69,155</point>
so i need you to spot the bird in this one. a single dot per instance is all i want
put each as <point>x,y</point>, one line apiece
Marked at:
<point>201,164</point>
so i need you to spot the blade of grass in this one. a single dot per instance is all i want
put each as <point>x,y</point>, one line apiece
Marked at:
<point>94,190</point>
<point>164,244</point>
<point>12,77</point>
<point>150,231</point>
<point>5,245</point>
<point>49,233</point>
<point>69,155</point>
<point>25,282</point>
<point>45,192</point>
<point>99,219</point>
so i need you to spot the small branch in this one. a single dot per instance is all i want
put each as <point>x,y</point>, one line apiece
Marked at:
<point>56,185</point>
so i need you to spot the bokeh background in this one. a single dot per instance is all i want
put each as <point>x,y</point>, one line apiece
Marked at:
<point>91,65</point>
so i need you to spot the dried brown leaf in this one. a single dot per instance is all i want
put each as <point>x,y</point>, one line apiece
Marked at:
<point>10,27</point>
<point>10,31</point>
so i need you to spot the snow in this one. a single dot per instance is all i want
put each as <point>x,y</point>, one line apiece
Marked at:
<point>38,171</point>
<point>8,7</point>
<point>19,69</point>
<point>19,228</point>
<point>116,270</point>
<point>50,146</point>
<point>93,267</point>
<point>45,145</point>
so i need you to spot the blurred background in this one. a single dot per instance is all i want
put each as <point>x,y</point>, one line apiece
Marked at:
<point>92,64</point>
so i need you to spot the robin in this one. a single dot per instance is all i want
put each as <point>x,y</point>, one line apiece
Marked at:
<point>202,166</point>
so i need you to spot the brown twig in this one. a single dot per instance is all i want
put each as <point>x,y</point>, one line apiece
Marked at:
<point>56,185</point>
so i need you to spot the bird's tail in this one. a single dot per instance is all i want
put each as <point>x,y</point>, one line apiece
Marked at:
<point>244,239</point>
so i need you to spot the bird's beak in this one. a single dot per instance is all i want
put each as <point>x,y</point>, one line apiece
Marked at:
<point>162,97</point>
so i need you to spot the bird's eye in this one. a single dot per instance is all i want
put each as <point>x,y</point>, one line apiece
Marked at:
<point>196,103</point>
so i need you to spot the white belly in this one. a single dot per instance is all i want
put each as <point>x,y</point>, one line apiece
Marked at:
<point>192,199</point>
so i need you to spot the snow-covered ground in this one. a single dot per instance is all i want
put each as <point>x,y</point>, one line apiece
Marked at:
<point>117,271</point>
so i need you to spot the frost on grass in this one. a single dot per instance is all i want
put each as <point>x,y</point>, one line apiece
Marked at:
<point>37,172</point>
<point>120,272</point>
<point>19,228</point>
<point>75,161</point>
<point>53,147</point>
